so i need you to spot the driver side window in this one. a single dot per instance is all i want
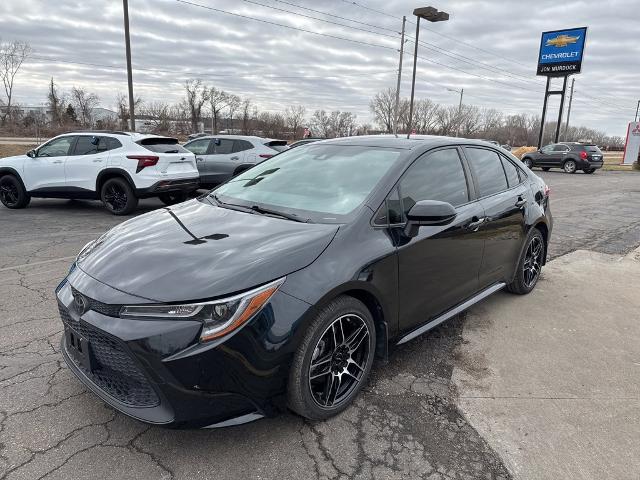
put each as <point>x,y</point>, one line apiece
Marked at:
<point>56,148</point>
<point>547,149</point>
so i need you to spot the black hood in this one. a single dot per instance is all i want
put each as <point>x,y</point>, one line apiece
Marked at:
<point>195,251</point>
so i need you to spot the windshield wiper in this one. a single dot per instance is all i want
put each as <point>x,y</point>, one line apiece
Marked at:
<point>288,216</point>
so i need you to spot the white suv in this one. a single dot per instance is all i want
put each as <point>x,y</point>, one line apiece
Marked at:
<point>115,167</point>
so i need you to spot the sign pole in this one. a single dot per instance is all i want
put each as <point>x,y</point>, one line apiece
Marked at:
<point>564,90</point>
<point>544,113</point>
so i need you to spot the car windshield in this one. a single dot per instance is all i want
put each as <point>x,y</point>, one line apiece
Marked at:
<point>329,180</point>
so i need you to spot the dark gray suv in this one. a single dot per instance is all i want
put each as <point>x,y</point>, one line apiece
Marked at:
<point>569,156</point>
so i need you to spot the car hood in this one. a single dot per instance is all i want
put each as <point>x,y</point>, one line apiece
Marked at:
<point>12,161</point>
<point>196,251</point>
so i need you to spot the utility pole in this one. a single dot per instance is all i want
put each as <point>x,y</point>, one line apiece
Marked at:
<point>566,126</point>
<point>127,40</point>
<point>637,109</point>
<point>395,112</point>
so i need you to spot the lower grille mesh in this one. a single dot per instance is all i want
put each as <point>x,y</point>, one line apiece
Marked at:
<point>114,371</point>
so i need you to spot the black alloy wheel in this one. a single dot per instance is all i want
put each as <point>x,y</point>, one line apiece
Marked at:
<point>338,361</point>
<point>530,264</point>
<point>569,166</point>
<point>333,360</point>
<point>12,193</point>
<point>118,196</point>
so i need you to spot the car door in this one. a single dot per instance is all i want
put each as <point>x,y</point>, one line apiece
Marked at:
<point>89,156</point>
<point>46,169</point>
<point>560,152</point>
<point>504,197</point>
<point>545,157</point>
<point>200,148</point>
<point>439,267</point>
<point>219,162</point>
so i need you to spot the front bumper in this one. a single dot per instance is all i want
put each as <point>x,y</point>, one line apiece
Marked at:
<point>168,186</point>
<point>156,370</point>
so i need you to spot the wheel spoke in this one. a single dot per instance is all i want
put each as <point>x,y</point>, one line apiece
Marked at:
<point>335,393</point>
<point>351,361</point>
<point>356,339</point>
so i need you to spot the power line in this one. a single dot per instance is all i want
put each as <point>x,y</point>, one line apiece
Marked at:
<point>373,10</point>
<point>361,42</point>
<point>319,19</point>
<point>338,16</point>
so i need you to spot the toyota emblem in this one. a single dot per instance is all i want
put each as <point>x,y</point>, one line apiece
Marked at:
<point>80,303</point>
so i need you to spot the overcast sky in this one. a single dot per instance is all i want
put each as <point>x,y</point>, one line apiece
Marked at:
<point>496,42</point>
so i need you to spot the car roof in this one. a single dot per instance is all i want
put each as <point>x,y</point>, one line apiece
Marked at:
<point>236,137</point>
<point>404,143</point>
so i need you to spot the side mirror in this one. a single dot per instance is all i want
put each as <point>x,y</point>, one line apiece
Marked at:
<point>429,212</point>
<point>31,154</point>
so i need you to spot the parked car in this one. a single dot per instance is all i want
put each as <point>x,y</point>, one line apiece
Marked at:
<point>193,136</point>
<point>116,167</point>
<point>279,288</point>
<point>569,156</point>
<point>221,157</point>
<point>304,141</point>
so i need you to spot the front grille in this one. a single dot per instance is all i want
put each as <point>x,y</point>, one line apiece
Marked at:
<point>113,369</point>
<point>96,306</point>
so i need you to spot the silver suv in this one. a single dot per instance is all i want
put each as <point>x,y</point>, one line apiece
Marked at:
<point>219,158</point>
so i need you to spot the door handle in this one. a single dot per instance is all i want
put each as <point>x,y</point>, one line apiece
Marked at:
<point>57,161</point>
<point>235,158</point>
<point>521,202</point>
<point>96,160</point>
<point>475,223</point>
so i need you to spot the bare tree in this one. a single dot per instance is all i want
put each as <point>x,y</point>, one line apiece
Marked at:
<point>157,114</point>
<point>55,105</point>
<point>383,107</point>
<point>233,104</point>
<point>196,96</point>
<point>246,116</point>
<point>320,122</point>
<point>469,121</point>
<point>294,118</point>
<point>425,115</point>
<point>217,100</point>
<point>83,103</point>
<point>12,56</point>
<point>122,102</point>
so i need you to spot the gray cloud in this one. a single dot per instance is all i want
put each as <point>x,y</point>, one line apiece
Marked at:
<point>278,66</point>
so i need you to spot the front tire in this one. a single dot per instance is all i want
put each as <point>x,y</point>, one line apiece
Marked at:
<point>12,193</point>
<point>569,166</point>
<point>333,360</point>
<point>529,265</point>
<point>118,196</point>
<point>173,197</point>
<point>528,163</point>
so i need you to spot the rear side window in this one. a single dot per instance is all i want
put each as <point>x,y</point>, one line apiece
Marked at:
<point>512,172</point>
<point>113,143</point>
<point>241,146</point>
<point>487,166</point>
<point>88,145</point>
<point>199,147</point>
<point>436,176</point>
<point>162,145</point>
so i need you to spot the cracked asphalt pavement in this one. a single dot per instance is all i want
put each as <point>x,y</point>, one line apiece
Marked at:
<point>405,424</point>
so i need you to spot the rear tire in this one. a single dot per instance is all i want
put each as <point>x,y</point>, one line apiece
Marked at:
<point>12,193</point>
<point>333,361</point>
<point>528,163</point>
<point>546,169</point>
<point>118,196</point>
<point>529,265</point>
<point>172,198</point>
<point>569,166</point>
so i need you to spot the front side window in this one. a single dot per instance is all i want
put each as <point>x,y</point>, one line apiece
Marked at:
<point>324,181</point>
<point>560,148</point>
<point>436,176</point>
<point>547,149</point>
<point>199,147</point>
<point>487,166</point>
<point>224,146</point>
<point>56,148</point>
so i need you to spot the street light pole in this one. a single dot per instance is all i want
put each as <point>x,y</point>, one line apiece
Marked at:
<point>430,14</point>
<point>395,111</point>
<point>637,109</point>
<point>127,40</point>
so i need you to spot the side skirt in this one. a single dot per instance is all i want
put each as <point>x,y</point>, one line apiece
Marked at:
<point>452,313</point>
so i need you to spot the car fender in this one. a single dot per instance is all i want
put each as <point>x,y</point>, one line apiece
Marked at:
<point>114,171</point>
<point>5,169</point>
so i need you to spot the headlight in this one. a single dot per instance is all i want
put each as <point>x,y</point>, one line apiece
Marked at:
<point>219,317</point>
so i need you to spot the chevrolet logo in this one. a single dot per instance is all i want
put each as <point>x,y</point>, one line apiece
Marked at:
<point>561,41</point>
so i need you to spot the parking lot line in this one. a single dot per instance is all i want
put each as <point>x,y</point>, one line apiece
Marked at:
<point>34,264</point>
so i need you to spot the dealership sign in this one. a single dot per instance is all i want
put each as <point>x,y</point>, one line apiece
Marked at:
<point>561,52</point>
<point>632,145</point>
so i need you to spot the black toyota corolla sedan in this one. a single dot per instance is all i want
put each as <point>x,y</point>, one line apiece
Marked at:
<point>279,288</point>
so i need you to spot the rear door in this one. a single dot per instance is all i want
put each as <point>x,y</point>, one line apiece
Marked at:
<point>219,165</point>
<point>560,153</point>
<point>88,157</point>
<point>200,148</point>
<point>503,195</point>
<point>46,170</point>
<point>439,267</point>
